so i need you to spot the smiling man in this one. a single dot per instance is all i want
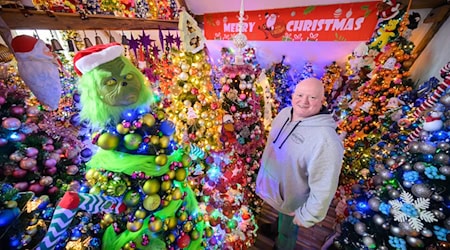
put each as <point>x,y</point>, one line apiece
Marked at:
<point>301,163</point>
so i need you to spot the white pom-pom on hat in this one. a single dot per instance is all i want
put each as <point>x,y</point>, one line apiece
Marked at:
<point>94,56</point>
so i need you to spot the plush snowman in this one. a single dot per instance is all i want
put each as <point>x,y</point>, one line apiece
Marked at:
<point>433,122</point>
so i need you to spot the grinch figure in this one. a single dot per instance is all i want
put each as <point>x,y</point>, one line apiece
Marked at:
<point>137,179</point>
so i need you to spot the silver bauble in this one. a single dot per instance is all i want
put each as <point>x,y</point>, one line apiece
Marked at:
<point>407,229</point>
<point>386,226</point>
<point>382,248</point>
<point>390,162</point>
<point>369,242</point>
<point>360,228</point>
<point>445,100</point>
<point>379,167</point>
<point>443,145</point>
<point>378,219</point>
<point>374,203</point>
<point>423,134</point>
<point>421,190</point>
<point>396,231</point>
<point>427,148</point>
<point>438,214</point>
<point>426,232</point>
<point>442,158</point>
<point>240,40</point>
<point>406,166</point>
<point>419,166</point>
<point>407,184</point>
<point>414,242</point>
<point>377,180</point>
<point>414,147</point>
<point>394,194</point>
<point>447,223</point>
<point>445,170</point>
<point>437,197</point>
<point>385,174</point>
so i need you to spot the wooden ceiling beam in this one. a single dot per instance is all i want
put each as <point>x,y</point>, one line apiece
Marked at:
<point>32,19</point>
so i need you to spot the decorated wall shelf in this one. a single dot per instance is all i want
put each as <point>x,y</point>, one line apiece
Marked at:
<point>34,19</point>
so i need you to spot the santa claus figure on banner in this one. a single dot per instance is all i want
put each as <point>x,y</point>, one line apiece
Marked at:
<point>38,68</point>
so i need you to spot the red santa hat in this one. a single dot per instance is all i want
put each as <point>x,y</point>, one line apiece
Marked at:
<point>95,56</point>
<point>23,43</point>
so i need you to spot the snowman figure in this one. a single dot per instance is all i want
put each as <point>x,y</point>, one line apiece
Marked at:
<point>433,122</point>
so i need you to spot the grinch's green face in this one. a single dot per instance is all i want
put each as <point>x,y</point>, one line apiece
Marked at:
<point>118,83</point>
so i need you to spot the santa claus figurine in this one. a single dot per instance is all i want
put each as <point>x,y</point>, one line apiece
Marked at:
<point>38,68</point>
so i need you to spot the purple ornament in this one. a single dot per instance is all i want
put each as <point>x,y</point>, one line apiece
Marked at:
<point>75,120</point>
<point>86,153</point>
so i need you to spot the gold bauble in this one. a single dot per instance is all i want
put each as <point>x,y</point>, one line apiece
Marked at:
<point>122,129</point>
<point>180,174</point>
<point>151,202</point>
<point>171,222</point>
<point>177,194</point>
<point>108,141</point>
<point>134,226</point>
<point>149,120</point>
<point>151,186</point>
<point>161,159</point>
<point>154,139</point>
<point>164,141</point>
<point>166,185</point>
<point>140,214</point>
<point>155,225</point>
<point>187,227</point>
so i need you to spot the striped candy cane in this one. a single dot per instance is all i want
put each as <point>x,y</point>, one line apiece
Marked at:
<point>69,206</point>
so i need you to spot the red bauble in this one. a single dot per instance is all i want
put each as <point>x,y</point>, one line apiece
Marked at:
<point>184,241</point>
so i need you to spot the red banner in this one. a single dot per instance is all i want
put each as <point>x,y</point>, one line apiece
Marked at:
<point>339,22</point>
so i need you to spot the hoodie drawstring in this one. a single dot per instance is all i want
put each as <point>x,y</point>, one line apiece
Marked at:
<point>281,130</point>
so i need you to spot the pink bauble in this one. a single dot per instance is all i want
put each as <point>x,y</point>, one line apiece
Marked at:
<point>52,190</point>
<point>233,108</point>
<point>48,147</point>
<point>31,152</point>
<point>2,100</point>
<point>21,186</point>
<point>11,123</point>
<point>72,170</point>
<point>46,180</point>
<point>19,173</point>
<point>242,96</point>
<point>36,188</point>
<point>16,156</point>
<point>226,88</point>
<point>50,163</point>
<point>17,111</point>
<point>27,163</point>
<point>32,111</point>
<point>50,170</point>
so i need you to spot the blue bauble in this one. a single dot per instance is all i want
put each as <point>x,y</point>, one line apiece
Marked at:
<point>7,216</point>
<point>167,128</point>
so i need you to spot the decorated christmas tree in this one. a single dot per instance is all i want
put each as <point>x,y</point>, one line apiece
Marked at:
<point>403,202</point>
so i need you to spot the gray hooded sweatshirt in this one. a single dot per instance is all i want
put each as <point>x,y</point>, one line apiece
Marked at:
<point>300,166</point>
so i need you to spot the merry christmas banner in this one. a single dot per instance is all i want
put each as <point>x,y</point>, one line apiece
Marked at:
<point>339,22</point>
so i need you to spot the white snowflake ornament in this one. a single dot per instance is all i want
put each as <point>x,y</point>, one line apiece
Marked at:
<point>412,211</point>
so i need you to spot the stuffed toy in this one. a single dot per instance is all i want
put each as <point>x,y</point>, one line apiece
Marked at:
<point>38,68</point>
<point>384,34</point>
<point>138,178</point>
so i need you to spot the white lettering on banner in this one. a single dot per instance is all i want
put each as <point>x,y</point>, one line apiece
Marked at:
<point>324,24</point>
<point>234,27</point>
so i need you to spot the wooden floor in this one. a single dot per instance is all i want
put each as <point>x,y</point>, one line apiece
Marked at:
<point>314,238</point>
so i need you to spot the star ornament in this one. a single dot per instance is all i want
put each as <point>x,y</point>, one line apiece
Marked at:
<point>412,211</point>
